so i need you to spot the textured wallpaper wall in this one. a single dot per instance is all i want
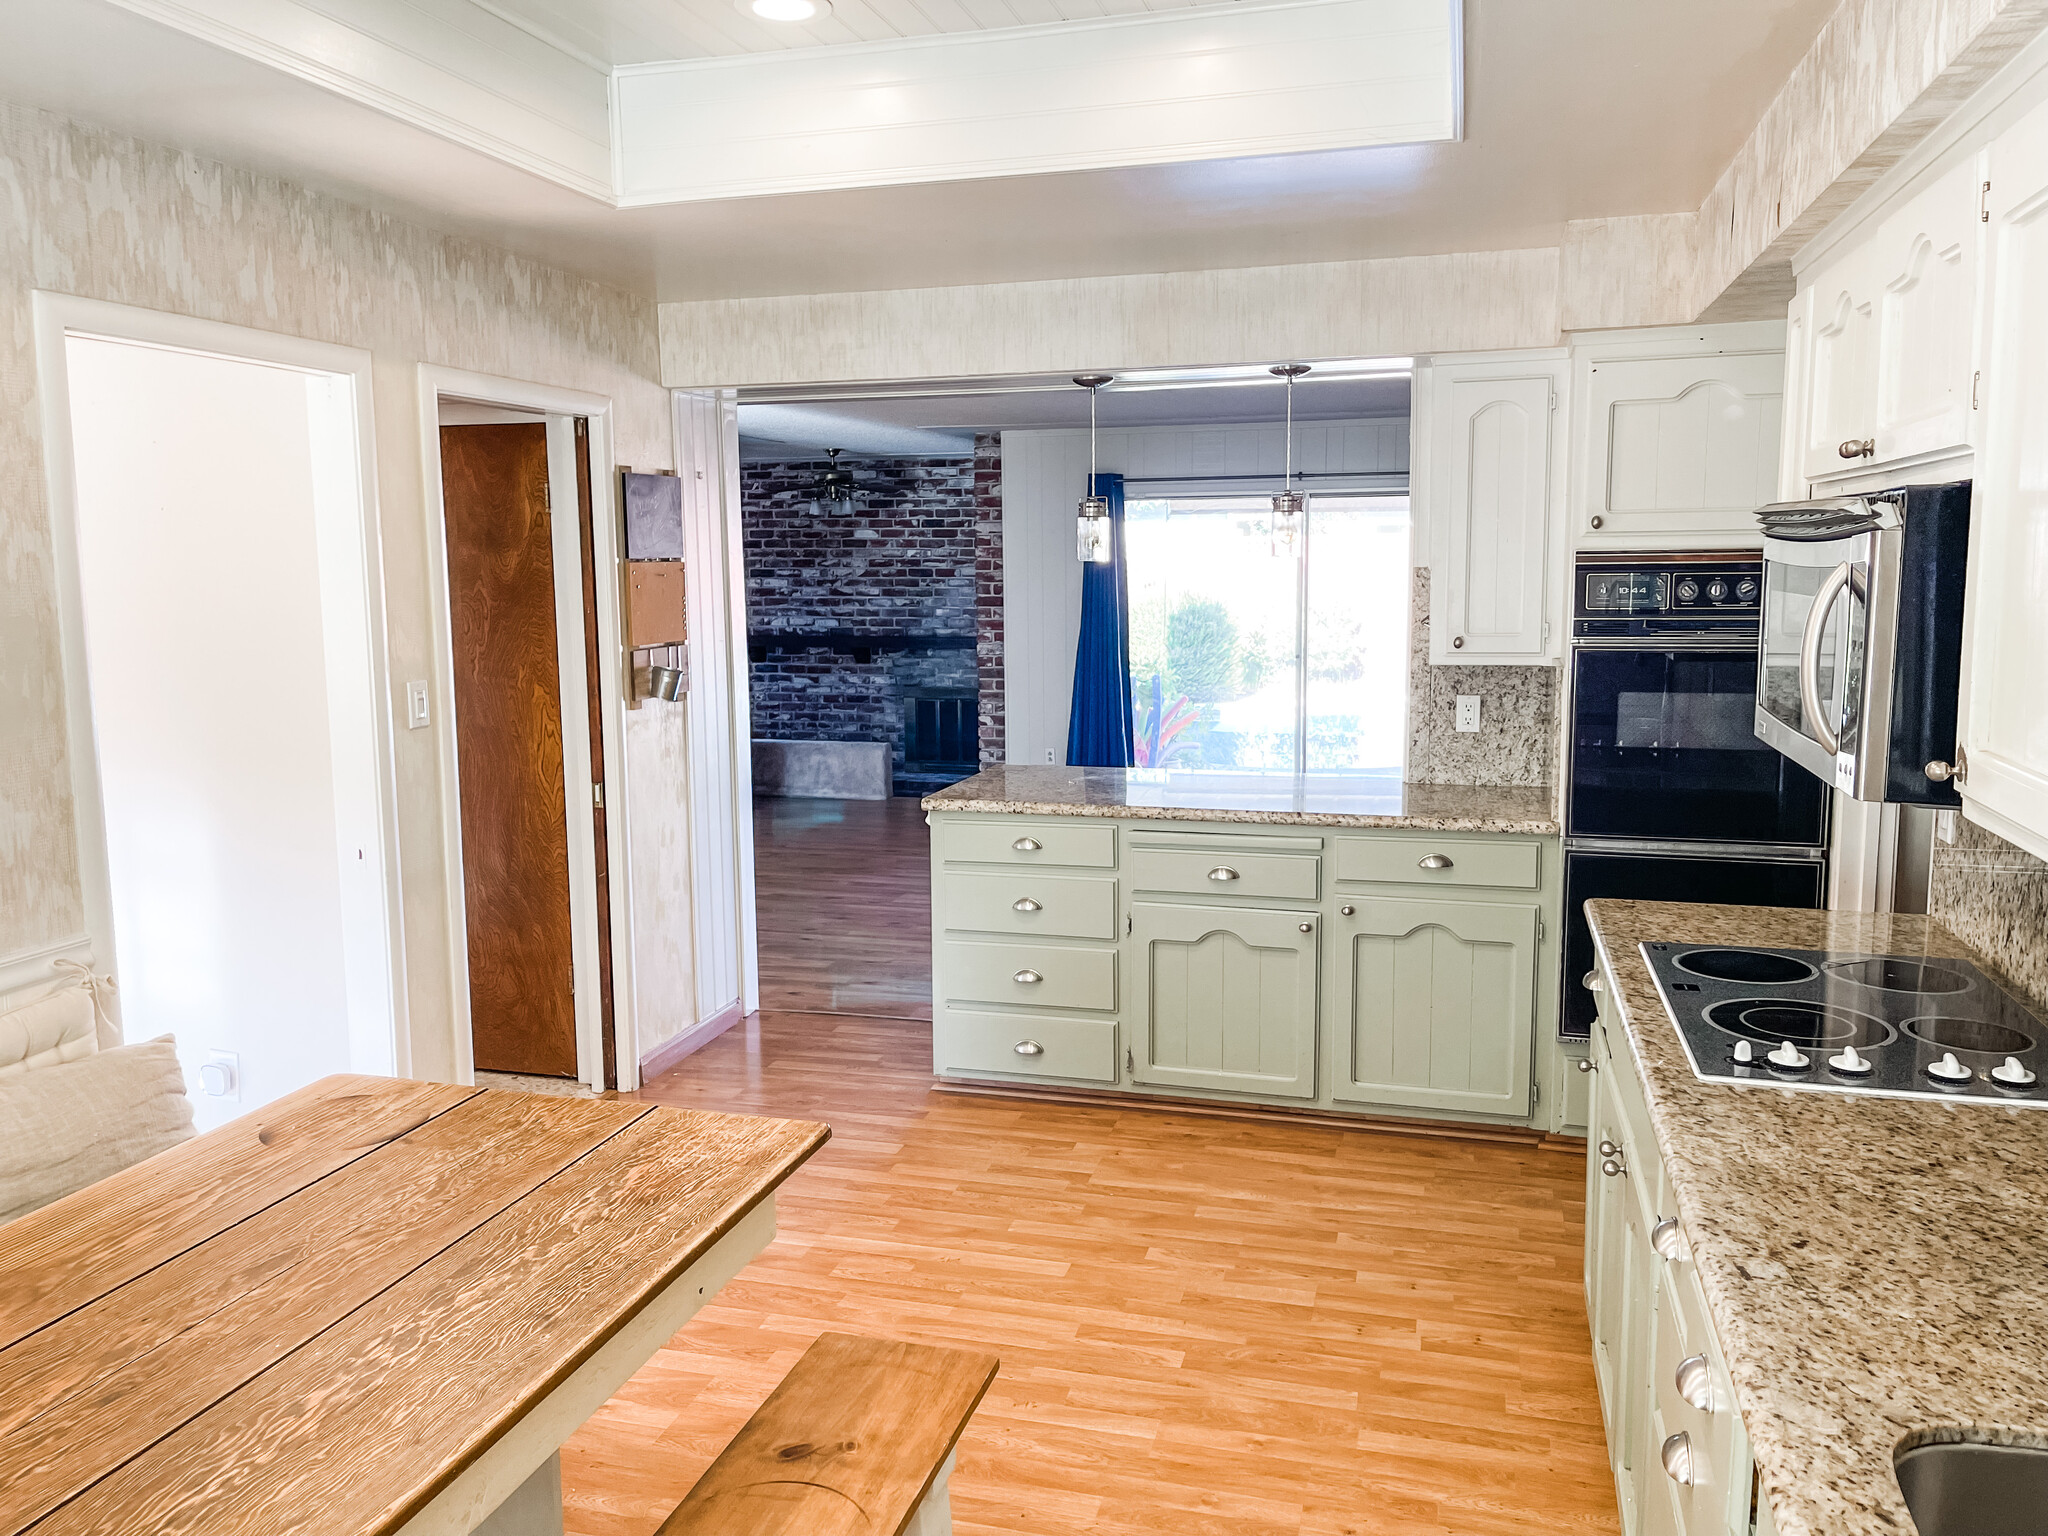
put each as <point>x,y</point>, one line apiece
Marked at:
<point>96,214</point>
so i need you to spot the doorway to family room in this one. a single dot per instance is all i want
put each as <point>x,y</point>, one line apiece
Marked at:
<point>222,659</point>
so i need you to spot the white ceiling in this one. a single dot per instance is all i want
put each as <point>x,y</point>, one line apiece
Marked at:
<point>614,32</point>
<point>1574,109</point>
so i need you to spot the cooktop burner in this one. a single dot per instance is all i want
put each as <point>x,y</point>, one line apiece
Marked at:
<point>1901,1026</point>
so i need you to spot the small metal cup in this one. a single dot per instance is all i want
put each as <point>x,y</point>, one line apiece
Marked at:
<point>665,683</point>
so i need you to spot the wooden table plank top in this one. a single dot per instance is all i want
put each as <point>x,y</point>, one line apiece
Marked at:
<point>69,1253</point>
<point>347,1352</point>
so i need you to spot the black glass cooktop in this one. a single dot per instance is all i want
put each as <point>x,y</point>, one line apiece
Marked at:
<point>1918,1026</point>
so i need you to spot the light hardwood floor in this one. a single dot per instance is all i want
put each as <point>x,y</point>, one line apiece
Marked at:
<point>845,906</point>
<point>1205,1325</point>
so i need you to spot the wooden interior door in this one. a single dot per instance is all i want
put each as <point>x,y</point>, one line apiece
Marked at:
<point>508,725</point>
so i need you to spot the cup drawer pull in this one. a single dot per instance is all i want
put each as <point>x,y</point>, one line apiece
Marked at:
<point>1027,845</point>
<point>1024,904</point>
<point>1028,1048</point>
<point>1433,861</point>
<point>1027,978</point>
<point>1695,1382</point>
<point>1223,872</point>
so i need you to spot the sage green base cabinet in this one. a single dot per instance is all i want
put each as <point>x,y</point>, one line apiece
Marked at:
<point>1681,1460</point>
<point>1397,971</point>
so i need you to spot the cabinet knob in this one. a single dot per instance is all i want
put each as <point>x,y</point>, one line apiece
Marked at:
<point>1433,861</point>
<point>1939,772</point>
<point>1028,1048</point>
<point>1584,1063</point>
<point>1349,911</point>
<point>1608,1148</point>
<point>1024,904</point>
<point>1611,1166</point>
<point>1596,522</point>
<point>1222,873</point>
<point>1308,927</point>
<point>1027,845</point>
<point>1695,1382</point>
<point>1027,978</point>
<point>1457,642</point>
<point>1667,1237</point>
<point>1858,448</point>
<point>1676,1454</point>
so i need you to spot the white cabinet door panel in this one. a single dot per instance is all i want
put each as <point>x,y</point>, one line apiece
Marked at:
<point>2005,728</point>
<point>1926,258</point>
<point>1680,448</point>
<point>1494,451</point>
<point>1842,366</point>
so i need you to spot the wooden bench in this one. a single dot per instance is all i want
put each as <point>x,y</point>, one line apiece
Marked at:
<point>857,1441</point>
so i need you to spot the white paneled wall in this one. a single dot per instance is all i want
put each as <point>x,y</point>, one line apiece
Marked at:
<point>1043,476</point>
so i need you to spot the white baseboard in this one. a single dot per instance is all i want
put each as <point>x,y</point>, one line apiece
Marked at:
<point>665,1056</point>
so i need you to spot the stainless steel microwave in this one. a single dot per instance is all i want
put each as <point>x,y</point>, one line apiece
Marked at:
<point>1860,657</point>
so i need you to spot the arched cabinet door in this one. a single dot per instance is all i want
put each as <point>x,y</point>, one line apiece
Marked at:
<point>1435,1004</point>
<point>1223,997</point>
<point>1679,449</point>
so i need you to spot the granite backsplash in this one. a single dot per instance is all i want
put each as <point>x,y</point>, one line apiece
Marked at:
<point>1516,742</point>
<point>1994,897</point>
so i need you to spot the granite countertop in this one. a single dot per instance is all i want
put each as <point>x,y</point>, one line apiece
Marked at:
<point>1272,799</point>
<point>1877,1269</point>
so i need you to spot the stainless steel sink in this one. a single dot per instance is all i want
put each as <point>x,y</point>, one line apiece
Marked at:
<point>1976,1490</point>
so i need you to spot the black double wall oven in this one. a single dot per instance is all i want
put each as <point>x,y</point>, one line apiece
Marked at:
<point>1669,794</point>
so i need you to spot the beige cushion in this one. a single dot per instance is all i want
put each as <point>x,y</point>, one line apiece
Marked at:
<point>47,1032</point>
<point>70,1125</point>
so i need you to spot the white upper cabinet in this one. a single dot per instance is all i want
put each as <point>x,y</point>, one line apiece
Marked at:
<point>2005,669</point>
<point>1489,434</point>
<point>1678,436</point>
<point>1886,328</point>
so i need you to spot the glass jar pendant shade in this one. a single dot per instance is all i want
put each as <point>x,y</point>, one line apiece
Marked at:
<point>1092,526</point>
<point>1288,503</point>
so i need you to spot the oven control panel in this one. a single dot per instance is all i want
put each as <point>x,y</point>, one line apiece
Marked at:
<point>1666,597</point>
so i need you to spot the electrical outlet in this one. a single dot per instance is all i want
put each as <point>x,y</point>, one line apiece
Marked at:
<point>416,713</point>
<point>1468,711</point>
<point>1048,754</point>
<point>220,1075</point>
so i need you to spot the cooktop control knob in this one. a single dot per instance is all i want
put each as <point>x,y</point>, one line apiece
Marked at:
<point>1949,1070</point>
<point>1743,1054</point>
<point>1717,589</point>
<point>1688,590</point>
<point>2012,1074</point>
<point>1848,1062</point>
<point>1792,1059</point>
<point>1745,589</point>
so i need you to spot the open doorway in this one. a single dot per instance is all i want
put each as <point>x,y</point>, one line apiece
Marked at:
<point>222,635</point>
<point>526,667</point>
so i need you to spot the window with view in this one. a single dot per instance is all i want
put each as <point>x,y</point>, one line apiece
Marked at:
<point>1250,659</point>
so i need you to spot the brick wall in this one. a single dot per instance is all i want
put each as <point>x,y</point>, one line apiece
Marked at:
<point>902,562</point>
<point>988,590</point>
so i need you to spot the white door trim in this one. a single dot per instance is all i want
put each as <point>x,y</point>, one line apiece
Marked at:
<point>57,316</point>
<point>438,383</point>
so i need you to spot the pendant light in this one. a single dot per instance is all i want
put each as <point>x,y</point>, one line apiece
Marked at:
<point>1287,501</point>
<point>1091,527</point>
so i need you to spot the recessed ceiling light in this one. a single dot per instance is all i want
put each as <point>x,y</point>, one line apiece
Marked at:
<point>786,10</point>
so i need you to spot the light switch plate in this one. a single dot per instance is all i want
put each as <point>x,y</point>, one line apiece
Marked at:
<point>416,709</point>
<point>1468,711</point>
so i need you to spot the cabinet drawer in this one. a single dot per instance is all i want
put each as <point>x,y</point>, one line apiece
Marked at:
<point>1707,1419</point>
<point>1021,1043</point>
<point>1055,906</point>
<point>1264,876</point>
<point>1402,860</point>
<point>1000,840</point>
<point>1053,976</point>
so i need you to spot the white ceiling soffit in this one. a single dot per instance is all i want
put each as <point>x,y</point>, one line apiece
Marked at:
<point>456,68</point>
<point>1161,88</point>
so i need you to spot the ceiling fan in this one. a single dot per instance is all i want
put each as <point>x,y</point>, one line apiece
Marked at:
<point>833,490</point>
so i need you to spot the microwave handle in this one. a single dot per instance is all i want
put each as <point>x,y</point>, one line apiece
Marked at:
<point>1809,656</point>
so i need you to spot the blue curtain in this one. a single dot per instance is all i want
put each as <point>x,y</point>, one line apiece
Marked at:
<point>1099,730</point>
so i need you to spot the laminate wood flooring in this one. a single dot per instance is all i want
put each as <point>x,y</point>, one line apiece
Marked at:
<point>1205,1325</point>
<point>844,903</point>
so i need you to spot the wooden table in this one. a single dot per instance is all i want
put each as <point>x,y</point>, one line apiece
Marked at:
<point>373,1306</point>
